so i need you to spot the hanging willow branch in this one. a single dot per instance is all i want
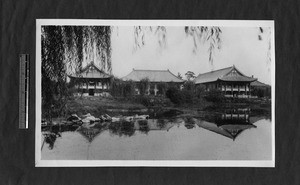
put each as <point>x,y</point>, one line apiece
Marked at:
<point>63,51</point>
<point>200,35</point>
<point>204,34</point>
<point>140,33</point>
<point>261,35</point>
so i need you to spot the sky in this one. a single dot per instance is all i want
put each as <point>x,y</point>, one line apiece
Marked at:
<point>240,47</point>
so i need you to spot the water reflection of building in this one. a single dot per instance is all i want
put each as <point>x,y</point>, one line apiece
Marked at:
<point>239,114</point>
<point>153,125</point>
<point>90,133</point>
<point>230,123</point>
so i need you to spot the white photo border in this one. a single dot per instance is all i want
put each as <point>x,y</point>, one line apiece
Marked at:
<point>150,163</point>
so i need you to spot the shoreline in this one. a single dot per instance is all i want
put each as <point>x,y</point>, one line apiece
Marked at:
<point>115,107</point>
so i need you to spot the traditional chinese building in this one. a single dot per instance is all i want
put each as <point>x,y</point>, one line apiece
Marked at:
<point>155,77</point>
<point>91,80</point>
<point>231,81</point>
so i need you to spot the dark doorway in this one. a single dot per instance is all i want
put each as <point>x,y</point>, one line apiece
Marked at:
<point>91,92</point>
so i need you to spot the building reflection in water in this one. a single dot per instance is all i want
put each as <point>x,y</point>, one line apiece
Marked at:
<point>229,123</point>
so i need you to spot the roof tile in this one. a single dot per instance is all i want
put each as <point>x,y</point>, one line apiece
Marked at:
<point>152,75</point>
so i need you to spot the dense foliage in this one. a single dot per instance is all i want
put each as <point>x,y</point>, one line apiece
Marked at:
<point>215,95</point>
<point>120,88</point>
<point>189,94</point>
<point>261,92</point>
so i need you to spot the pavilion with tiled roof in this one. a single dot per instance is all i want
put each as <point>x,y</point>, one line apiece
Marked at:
<point>154,76</point>
<point>229,80</point>
<point>91,80</point>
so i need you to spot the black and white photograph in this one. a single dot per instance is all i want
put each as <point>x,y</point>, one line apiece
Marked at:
<point>155,93</point>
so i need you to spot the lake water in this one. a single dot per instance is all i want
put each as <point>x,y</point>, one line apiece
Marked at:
<point>231,134</point>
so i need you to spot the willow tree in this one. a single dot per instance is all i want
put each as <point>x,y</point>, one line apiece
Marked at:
<point>202,36</point>
<point>64,49</point>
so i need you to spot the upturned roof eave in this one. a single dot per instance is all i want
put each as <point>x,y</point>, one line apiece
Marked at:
<point>71,76</point>
<point>252,80</point>
<point>129,76</point>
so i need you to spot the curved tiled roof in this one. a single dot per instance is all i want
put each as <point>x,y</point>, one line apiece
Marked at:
<point>152,75</point>
<point>224,75</point>
<point>259,84</point>
<point>91,71</point>
<point>238,78</point>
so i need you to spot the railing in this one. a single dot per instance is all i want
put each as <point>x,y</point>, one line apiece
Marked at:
<point>228,88</point>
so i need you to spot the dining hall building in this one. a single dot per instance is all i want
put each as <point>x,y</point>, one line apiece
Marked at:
<point>231,81</point>
<point>155,77</point>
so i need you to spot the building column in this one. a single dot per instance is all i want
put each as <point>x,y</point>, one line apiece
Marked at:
<point>249,90</point>
<point>155,89</point>
<point>246,90</point>
<point>239,90</point>
<point>232,90</point>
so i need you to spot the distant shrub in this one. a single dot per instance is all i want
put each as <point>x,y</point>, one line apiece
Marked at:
<point>261,92</point>
<point>200,91</point>
<point>175,95</point>
<point>189,86</point>
<point>152,100</point>
<point>128,89</point>
<point>143,85</point>
<point>162,88</point>
<point>188,96</point>
<point>214,95</point>
<point>121,88</point>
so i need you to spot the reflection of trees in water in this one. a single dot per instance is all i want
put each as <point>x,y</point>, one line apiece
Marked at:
<point>161,123</point>
<point>54,132</point>
<point>50,139</point>
<point>265,113</point>
<point>122,128</point>
<point>189,122</point>
<point>144,127</point>
<point>159,114</point>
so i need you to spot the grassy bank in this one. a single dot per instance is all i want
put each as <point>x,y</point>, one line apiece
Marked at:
<point>139,104</point>
<point>100,105</point>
